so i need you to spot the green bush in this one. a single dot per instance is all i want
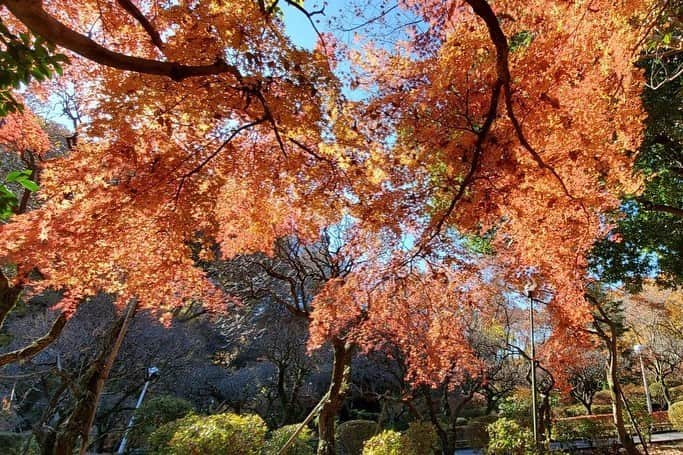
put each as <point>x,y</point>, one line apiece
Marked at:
<point>155,413</point>
<point>588,428</point>
<point>517,407</point>
<point>210,435</point>
<point>676,393</point>
<point>507,437</point>
<point>302,444</point>
<point>421,438</point>
<point>18,443</point>
<point>574,410</point>
<point>388,442</point>
<point>351,435</point>
<point>602,408</point>
<point>676,415</point>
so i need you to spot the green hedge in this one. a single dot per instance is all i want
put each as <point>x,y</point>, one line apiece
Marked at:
<point>155,413</point>
<point>421,438</point>
<point>303,444</point>
<point>351,435</point>
<point>388,442</point>
<point>676,415</point>
<point>210,435</point>
<point>507,437</point>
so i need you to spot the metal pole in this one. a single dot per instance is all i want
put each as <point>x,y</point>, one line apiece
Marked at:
<point>647,389</point>
<point>131,422</point>
<point>534,414</point>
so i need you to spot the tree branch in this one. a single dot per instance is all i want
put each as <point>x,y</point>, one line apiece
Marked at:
<point>651,206</point>
<point>38,345</point>
<point>137,14</point>
<point>32,14</point>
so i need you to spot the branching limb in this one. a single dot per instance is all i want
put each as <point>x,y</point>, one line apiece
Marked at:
<point>34,16</point>
<point>38,345</point>
<point>134,11</point>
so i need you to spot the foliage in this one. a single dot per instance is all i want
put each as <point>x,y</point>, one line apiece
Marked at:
<point>421,438</point>
<point>517,407</point>
<point>18,443</point>
<point>647,238</point>
<point>388,442</point>
<point>278,438</point>
<point>210,435</point>
<point>587,428</point>
<point>676,415</point>
<point>154,413</point>
<point>351,435</point>
<point>507,437</point>
<point>24,57</point>
<point>8,199</point>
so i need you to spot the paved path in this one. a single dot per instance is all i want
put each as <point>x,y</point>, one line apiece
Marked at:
<point>670,436</point>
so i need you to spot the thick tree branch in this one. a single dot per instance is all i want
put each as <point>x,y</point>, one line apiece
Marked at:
<point>32,14</point>
<point>651,206</point>
<point>483,10</point>
<point>38,345</point>
<point>146,24</point>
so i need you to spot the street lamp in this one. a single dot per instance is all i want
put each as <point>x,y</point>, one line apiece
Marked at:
<point>529,289</point>
<point>152,374</point>
<point>639,350</point>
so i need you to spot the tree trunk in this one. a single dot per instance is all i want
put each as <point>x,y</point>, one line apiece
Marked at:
<point>9,295</point>
<point>90,386</point>
<point>617,404</point>
<point>341,370</point>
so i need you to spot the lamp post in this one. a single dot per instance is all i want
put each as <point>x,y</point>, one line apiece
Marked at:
<point>639,350</point>
<point>152,374</point>
<point>530,288</point>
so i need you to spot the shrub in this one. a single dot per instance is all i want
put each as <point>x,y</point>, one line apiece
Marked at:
<point>676,415</point>
<point>507,437</point>
<point>517,407</point>
<point>351,435</point>
<point>573,410</point>
<point>601,408</point>
<point>421,438</point>
<point>388,442</point>
<point>602,397</point>
<point>18,443</point>
<point>676,393</point>
<point>588,428</point>
<point>155,413</point>
<point>210,435</point>
<point>302,444</point>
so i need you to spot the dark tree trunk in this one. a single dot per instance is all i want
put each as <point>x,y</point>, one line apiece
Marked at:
<point>341,370</point>
<point>616,396</point>
<point>77,426</point>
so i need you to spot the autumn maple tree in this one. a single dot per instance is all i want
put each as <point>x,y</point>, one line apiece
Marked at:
<point>508,126</point>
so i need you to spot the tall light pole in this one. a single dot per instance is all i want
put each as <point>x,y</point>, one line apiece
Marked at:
<point>530,288</point>
<point>639,350</point>
<point>152,374</point>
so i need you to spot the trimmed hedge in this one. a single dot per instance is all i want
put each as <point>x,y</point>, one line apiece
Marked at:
<point>155,413</point>
<point>388,442</point>
<point>421,438</point>
<point>507,437</point>
<point>351,435</point>
<point>303,444</point>
<point>210,435</point>
<point>676,415</point>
